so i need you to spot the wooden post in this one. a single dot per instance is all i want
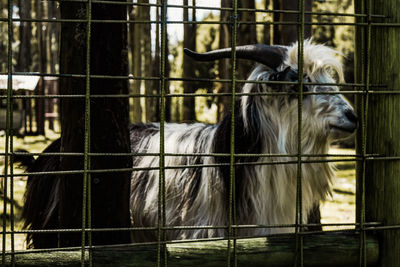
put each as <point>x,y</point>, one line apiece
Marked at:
<point>382,183</point>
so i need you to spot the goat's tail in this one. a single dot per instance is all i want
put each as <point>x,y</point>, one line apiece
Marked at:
<point>40,210</point>
<point>23,160</point>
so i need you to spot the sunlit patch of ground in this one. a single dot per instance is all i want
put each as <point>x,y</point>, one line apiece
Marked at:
<point>340,206</point>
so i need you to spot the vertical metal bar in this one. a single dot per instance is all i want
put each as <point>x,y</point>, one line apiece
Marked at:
<point>360,166</point>
<point>9,140</point>
<point>161,251</point>
<point>232,193</point>
<point>86,176</point>
<point>362,105</point>
<point>365,97</point>
<point>299,193</point>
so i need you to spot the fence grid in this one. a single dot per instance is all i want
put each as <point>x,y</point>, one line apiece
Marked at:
<point>365,20</point>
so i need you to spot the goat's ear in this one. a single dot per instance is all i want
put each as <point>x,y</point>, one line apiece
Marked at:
<point>271,56</point>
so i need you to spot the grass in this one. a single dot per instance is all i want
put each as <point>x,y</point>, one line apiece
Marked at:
<point>339,207</point>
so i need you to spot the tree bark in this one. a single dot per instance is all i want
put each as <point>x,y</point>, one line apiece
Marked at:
<point>52,48</point>
<point>155,84</point>
<point>109,120</point>
<point>40,35</point>
<point>3,40</point>
<point>24,60</point>
<point>189,41</point>
<point>248,35</point>
<point>224,66</point>
<point>267,27</point>
<point>136,36</point>
<point>150,102</point>
<point>287,34</point>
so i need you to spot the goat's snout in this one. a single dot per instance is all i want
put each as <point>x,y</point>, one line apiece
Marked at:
<point>351,116</point>
<point>353,120</point>
<point>348,123</point>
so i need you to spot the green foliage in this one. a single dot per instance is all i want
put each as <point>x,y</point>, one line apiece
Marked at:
<point>207,39</point>
<point>339,37</point>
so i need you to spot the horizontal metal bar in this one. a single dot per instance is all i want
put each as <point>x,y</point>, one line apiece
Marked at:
<point>185,154</point>
<point>227,8</point>
<point>93,76</point>
<point>372,24</point>
<point>130,77</point>
<point>215,165</point>
<point>383,158</point>
<point>189,227</point>
<point>132,245</point>
<point>382,228</point>
<point>205,94</point>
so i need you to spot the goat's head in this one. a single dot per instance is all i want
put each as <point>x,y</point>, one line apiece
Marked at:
<point>325,113</point>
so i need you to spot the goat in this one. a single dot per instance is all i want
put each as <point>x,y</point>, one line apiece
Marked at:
<point>265,194</point>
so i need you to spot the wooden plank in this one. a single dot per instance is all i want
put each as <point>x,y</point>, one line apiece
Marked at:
<point>382,183</point>
<point>319,250</point>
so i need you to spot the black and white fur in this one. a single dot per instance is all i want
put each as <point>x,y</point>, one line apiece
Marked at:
<point>265,194</point>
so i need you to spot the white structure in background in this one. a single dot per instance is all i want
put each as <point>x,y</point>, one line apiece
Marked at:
<point>21,84</point>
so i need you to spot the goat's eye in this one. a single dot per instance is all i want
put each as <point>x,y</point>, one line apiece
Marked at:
<point>296,88</point>
<point>273,77</point>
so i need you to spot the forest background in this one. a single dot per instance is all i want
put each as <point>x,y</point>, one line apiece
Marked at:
<point>36,47</point>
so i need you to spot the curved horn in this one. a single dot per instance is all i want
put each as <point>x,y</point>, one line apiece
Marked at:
<point>271,56</point>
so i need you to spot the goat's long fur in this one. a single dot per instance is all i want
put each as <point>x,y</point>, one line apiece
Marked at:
<point>264,193</point>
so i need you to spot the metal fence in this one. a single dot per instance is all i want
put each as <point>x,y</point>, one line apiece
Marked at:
<point>363,89</point>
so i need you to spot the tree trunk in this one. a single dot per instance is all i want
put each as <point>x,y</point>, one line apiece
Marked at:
<point>109,120</point>
<point>248,35</point>
<point>155,84</point>
<point>150,102</point>
<point>189,87</point>
<point>3,39</point>
<point>168,102</point>
<point>224,66</point>
<point>287,34</point>
<point>24,60</point>
<point>39,102</point>
<point>52,48</point>
<point>136,36</point>
<point>267,27</point>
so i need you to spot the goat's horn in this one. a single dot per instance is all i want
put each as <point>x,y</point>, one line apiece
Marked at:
<point>271,56</point>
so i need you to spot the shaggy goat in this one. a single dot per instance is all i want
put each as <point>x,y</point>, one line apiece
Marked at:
<point>265,194</point>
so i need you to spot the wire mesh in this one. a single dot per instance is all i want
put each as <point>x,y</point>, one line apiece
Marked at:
<point>299,193</point>
<point>363,89</point>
